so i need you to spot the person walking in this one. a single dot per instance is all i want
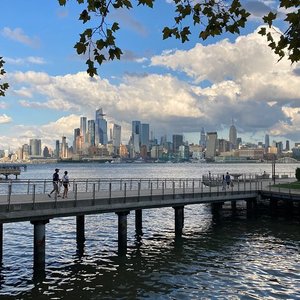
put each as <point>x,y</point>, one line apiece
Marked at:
<point>223,183</point>
<point>66,184</point>
<point>55,182</point>
<point>228,179</point>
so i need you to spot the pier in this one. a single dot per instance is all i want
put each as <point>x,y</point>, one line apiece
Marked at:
<point>28,201</point>
<point>11,169</point>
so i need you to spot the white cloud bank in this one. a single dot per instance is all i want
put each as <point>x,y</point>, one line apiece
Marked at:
<point>244,80</point>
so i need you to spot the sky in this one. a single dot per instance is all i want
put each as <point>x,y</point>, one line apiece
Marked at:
<point>176,88</point>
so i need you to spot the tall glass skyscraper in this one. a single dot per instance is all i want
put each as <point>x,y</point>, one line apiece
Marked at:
<point>145,135</point>
<point>83,128</point>
<point>91,133</point>
<point>35,147</point>
<point>100,128</point>
<point>232,136</point>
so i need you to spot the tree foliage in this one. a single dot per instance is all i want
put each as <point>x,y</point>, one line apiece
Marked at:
<point>209,17</point>
<point>3,86</point>
<point>297,174</point>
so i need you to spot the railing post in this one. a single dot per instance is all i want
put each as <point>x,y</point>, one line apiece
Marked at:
<point>44,187</point>
<point>193,188</point>
<point>94,193</point>
<point>28,185</point>
<point>86,185</point>
<point>173,187</point>
<point>33,196</point>
<point>139,191</point>
<point>121,184</point>
<point>125,192</point>
<point>76,195</point>
<point>109,194</point>
<point>151,188</point>
<point>98,185</point>
<point>183,185</point>
<point>9,197</point>
<point>163,190</point>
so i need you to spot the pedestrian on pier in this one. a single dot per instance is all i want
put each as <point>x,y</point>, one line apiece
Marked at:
<point>55,181</point>
<point>228,179</point>
<point>223,183</point>
<point>66,184</point>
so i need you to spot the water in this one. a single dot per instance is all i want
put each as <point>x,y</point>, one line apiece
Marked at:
<point>229,257</point>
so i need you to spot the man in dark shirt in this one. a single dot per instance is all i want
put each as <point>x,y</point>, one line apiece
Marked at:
<point>55,182</point>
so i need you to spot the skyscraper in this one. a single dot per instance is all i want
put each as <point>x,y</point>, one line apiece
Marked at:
<point>100,128</point>
<point>83,128</point>
<point>177,141</point>
<point>232,136</point>
<point>267,141</point>
<point>211,148</point>
<point>145,135</point>
<point>77,141</point>
<point>116,137</point>
<point>202,141</point>
<point>91,133</point>
<point>136,136</point>
<point>35,147</point>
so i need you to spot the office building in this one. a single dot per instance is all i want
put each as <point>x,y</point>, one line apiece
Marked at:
<point>35,147</point>
<point>212,139</point>
<point>100,128</point>
<point>145,135</point>
<point>232,136</point>
<point>116,138</point>
<point>91,133</point>
<point>83,129</point>
<point>177,141</point>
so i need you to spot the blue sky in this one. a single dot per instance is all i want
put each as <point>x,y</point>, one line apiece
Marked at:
<point>174,87</point>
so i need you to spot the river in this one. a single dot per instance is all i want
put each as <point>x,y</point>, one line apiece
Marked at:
<point>229,257</point>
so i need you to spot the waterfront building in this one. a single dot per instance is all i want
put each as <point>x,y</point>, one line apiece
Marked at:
<point>123,151</point>
<point>35,147</point>
<point>100,128</point>
<point>183,152</point>
<point>212,138</point>
<point>287,146</point>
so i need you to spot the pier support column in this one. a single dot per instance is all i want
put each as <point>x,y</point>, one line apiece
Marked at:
<point>289,207</point>
<point>138,221</point>
<point>1,242</point>
<point>122,232</point>
<point>249,204</point>
<point>80,234</point>
<point>273,206</point>
<point>39,244</point>
<point>233,205</point>
<point>179,216</point>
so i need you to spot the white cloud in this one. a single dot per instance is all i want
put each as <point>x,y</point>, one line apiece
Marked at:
<point>5,119</point>
<point>245,78</point>
<point>25,61</point>
<point>18,35</point>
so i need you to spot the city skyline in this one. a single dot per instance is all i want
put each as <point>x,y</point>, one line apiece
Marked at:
<point>174,87</point>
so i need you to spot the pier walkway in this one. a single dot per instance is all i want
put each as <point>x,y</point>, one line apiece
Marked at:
<point>28,201</point>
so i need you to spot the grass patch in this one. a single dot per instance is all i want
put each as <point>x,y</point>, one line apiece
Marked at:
<point>292,185</point>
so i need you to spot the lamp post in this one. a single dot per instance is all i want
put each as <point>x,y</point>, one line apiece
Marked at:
<point>273,168</point>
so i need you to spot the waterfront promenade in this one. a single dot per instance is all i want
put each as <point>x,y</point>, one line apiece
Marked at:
<point>28,201</point>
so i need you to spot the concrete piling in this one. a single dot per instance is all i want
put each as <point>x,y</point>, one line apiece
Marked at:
<point>138,221</point>
<point>179,215</point>
<point>122,232</point>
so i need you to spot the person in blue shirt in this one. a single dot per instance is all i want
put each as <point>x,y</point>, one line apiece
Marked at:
<point>55,182</point>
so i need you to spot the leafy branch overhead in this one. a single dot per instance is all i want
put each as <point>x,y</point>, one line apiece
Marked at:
<point>210,17</point>
<point>3,86</point>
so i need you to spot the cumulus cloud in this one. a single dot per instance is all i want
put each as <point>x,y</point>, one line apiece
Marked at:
<point>25,61</point>
<point>5,119</point>
<point>18,35</point>
<point>246,83</point>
